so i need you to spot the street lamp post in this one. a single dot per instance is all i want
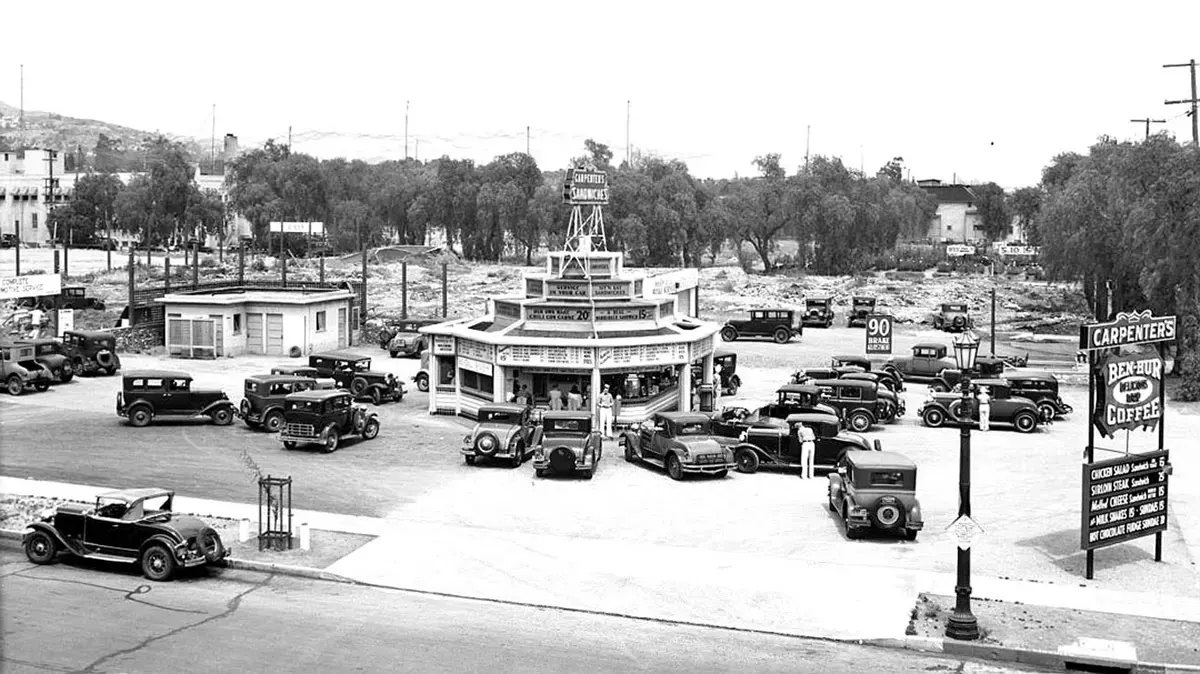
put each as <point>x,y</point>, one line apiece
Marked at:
<point>962,624</point>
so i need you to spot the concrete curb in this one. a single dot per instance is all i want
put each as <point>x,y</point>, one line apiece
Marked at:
<point>1029,656</point>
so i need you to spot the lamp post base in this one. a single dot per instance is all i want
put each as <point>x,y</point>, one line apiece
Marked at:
<point>962,627</point>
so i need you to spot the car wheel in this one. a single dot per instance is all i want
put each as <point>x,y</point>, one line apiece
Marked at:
<point>470,459</point>
<point>67,376</point>
<point>888,516</point>
<point>782,335</point>
<point>14,385</point>
<point>487,444</point>
<point>540,472</point>
<point>110,370</point>
<point>587,474</point>
<point>747,461</point>
<point>139,417</point>
<point>728,334</point>
<point>1046,411</point>
<point>157,563</point>
<point>358,385</point>
<point>41,386</point>
<point>518,454</point>
<point>939,387</point>
<point>289,444</point>
<point>394,354</point>
<point>331,441</point>
<point>910,534</point>
<point>423,383</point>
<point>629,454</point>
<point>41,547</point>
<point>674,468</point>
<point>273,421</point>
<point>959,322</point>
<point>376,397</point>
<point>222,416</point>
<point>733,388</point>
<point>1025,422</point>
<point>860,421</point>
<point>211,544</point>
<point>370,429</point>
<point>933,417</point>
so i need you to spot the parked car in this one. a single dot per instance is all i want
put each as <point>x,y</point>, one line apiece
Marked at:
<point>20,369</point>
<point>876,490</point>
<point>775,442</point>
<point>679,443</point>
<point>809,374</point>
<point>952,317</point>
<point>402,337</point>
<point>421,378</point>
<point>263,397</point>
<point>857,401</point>
<point>8,240</point>
<point>891,405</point>
<point>860,309</point>
<point>926,361</point>
<point>51,354</point>
<point>505,431</point>
<point>1021,413</point>
<point>789,399</point>
<point>726,363</point>
<point>353,373</point>
<point>148,394</point>
<point>1042,389</point>
<point>136,526</point>
<point>324,418</point>
<point>818,311</point>
<point>778,324</point>
<point>891,378</point>
<point>92,351</point>
<point>73,297</point>
<point>307,372</point>
<point>985,366</point>
<point>568,445</point>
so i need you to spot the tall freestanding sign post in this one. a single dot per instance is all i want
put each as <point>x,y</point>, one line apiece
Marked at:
<point>1125,497</point>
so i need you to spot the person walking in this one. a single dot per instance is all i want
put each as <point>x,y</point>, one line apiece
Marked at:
<point>556,401</point>
<point>808,447</point>
<point>574,399</point>
<point>605,402</point>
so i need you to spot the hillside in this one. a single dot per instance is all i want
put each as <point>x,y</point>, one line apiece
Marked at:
<point>49,129</point>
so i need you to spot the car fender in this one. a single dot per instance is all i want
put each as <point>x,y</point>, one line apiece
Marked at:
<point>763,457</point>
<point>50,530</point>
<point>631,440</point>
<point>212,407</point>
<point>535,437</point>
<point>135,405</point>
<point>836,488</point>
<point>159,538</point>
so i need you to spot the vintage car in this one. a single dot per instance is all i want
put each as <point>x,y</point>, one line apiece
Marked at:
<point>775,442</point>
<point>353,373</point>
<point>725,362</point>
<point>952,317</point>
<point>818,311</point>
<point>134,526</point>
<point>148,394</point>
<point>568,445</point>
<point>323,418</point>
<point>263,396</point>
<point>20,369</point>
<point>92,351</point>
<point>891,404</point>
<point>50,353</point>
<point>679,443</point>
<point>790,399</point>
<point>307,372</point>
<point>876,490</point>
<point>502,431</point>
<point>778,324</point>
<point>860,309</point>
<point>1021,413</point>
<point>857,402</point>
<point>1040,387</point>
<point>926,361</point>
<point>421,378</point>
<point>889,378</point>
<point>985,366</point>
<point>402,337</point>
<point>73,297</point>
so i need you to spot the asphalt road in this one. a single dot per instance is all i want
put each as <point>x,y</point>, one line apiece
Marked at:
<point>87,617</point>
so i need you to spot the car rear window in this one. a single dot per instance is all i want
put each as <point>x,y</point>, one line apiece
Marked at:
<point>568,425</point>
<point>887,478</point>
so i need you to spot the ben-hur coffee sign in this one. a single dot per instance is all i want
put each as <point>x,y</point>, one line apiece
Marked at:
<point>1129,393</point>
<point>586,186</point>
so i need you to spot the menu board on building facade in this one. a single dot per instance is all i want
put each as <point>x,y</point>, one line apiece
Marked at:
<point>561,313</point>
<point>700,349</point>
<point>507,309</point>
<point>443,345</point>
<point>567,289</point>
<point>477,350</point>
<point>625,313</point>
<point>475,366</point>
<point>1124,498</point>
<point>610,290</point>
<point>564,356</point>
<point>533,287</point>
<point>642,354</point>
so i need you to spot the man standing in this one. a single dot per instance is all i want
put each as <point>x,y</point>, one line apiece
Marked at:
<point>985,408</point>
<point>606,412</point>
<point>808,446</point>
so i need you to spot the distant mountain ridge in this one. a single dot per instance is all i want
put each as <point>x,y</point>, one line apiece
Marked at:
<point>60,132</point>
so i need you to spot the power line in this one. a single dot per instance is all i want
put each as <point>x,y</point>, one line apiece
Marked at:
<point>1195,129</point>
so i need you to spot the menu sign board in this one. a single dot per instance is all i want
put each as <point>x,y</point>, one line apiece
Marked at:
<point>625,313</point>
<point>546,313</point>
<point>1015,249</point>
<point>476,350</point>
<point>1129,394</point>
<point>1126,329</point>
<point>443,345</point>
<point>567,289</point>
<point>36,285</point>
<point>565,356</point>
<point>1124,498</point>
<point>643,354</point>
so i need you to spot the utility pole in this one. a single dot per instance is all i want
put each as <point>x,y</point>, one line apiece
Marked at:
<point>1148,122</point>
<point>1195,129</point>
<point>22,121</point>
<point>527,140</point>
<point>628,152</point>
<point>807,138</point>
<point>212,145</point>
<point>406,129</point>
<point>289,138</point>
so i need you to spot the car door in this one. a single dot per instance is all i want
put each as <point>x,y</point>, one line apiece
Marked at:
<point>1003,405</point>
<point>105,532</point>
<point>651,437</point>
<point>176,396</point>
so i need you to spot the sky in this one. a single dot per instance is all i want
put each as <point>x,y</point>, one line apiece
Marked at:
<point>962,91</point>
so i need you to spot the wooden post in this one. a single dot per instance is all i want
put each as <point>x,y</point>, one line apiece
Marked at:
<point>241,262</point>
<point>167,273</point>
<point>404,289</point>
<point>443,290</point>
<point>131,266</point>
<point>195,265</point>
<point>321,268</point>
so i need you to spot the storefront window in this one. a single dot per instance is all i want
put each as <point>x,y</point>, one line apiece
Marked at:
<point>474,382</point>
<point>446,368</point>
<point>640,386</point>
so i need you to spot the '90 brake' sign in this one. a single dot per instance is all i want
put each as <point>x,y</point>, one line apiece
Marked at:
<point>879,333</point>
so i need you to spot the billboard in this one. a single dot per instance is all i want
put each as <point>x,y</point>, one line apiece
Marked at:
<point>315,228</point>
<point>29,285</point>
<point>586,186</point>
<point>1129,393</point>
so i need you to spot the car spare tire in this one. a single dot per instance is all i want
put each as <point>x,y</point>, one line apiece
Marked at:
<point>888,513</point>
<point>104,358</point>
<point>210,544</point>
<point>960,322</point>
<point>487,443</point>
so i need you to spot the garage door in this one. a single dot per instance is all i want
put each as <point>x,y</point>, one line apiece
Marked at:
<point>342,328</point>
<point>254,333</point>
<point>274,334</point>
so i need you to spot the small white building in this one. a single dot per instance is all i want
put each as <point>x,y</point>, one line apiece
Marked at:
<point>245,321</point>
<point>25,195</point>
<point>957,219</point>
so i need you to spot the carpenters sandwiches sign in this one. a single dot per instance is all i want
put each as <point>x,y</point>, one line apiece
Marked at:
<point>587,187</point>
<point>1129,396</point>
<point>1127,329</point>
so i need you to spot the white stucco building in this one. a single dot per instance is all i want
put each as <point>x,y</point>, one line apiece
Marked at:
<point>25,197</point>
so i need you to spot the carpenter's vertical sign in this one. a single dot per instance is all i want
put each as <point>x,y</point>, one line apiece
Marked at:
<point>1124,498</point>
<point>879,333</point>
<point>66,320</point>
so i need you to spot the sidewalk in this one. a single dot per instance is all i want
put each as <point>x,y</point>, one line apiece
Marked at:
<point>841,601</point>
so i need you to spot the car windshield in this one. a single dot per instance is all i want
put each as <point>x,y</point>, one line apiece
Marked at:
<point>46,349</point>
<point>694,428</point>
<point>568,425</point>
<point>500,417</point>
<point>361,365</point>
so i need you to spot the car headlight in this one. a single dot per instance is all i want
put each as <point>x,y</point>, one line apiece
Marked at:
<point>467,439</point>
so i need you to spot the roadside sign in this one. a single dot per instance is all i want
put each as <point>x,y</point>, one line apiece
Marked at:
<point>30,285</point>
<point>965,530</point>
<point>1124,498</point>
<point>879,333</point>
<point>1127,329</point>
<point>317,228</point>
<point>66,321</point>
<point>960,249</point>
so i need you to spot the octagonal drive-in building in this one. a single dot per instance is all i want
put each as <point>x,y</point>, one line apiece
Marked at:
<point>584,322</point>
